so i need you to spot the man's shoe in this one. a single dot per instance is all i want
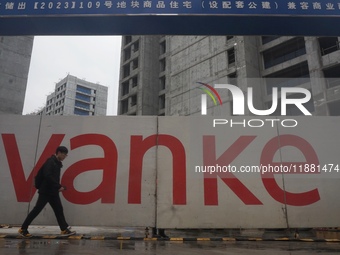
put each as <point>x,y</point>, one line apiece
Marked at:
<point>24,233</point>
<point>67,232</point>
<point>161,232</point>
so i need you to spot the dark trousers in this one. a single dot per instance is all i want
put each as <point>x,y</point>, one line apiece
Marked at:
<point>54,201</point>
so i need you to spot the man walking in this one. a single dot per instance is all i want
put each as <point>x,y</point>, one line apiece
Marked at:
<point>49,193</point>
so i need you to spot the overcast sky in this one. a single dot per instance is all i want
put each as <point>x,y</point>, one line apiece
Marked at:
<point>93,58</point>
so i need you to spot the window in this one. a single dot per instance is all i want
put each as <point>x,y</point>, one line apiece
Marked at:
<point>133,100</point>
<point>127,54</point>
<point>83,89</point>
<point>82,105</point>
<point>83,97</point>
<point>332,76</point>
<point>128,39</point>
<point>162,82</point>
<point>163,47</point>
<point>162,102</point>
<point>229,37</point>
<point>135,63</point>
<point>80,112</point>
<point>126,70</point>
<point>135,46</point>
<point>231,56</point>
<point>289,77</point>
<point>284,52</point>
<point>162,65</point>
<point>134,81</point>
<point>328,45</point>
<point>125,88</point>
<point>124,106</point>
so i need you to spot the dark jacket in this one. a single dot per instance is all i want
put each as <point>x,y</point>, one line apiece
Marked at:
<point>51,172</point>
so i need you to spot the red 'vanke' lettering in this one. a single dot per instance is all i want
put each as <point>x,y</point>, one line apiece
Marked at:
<point>107,188</point>
<point>210,180</point>
<point>268,152</point>
<point>24,189</point>
<point>138,149</point>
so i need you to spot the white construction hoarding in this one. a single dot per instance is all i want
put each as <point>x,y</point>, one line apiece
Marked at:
<point>176,172</point>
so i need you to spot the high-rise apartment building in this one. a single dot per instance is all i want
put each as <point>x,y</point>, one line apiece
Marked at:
<point>73,96</point>
<point>140,70</point>
<point>15,57</point>
<point>160,75</point>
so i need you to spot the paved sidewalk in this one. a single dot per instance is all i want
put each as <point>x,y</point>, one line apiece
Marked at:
<point>112,233</point>
<point>41,230</point>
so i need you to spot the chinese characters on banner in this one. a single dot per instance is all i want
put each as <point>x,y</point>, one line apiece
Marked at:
<point>201,7</point>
